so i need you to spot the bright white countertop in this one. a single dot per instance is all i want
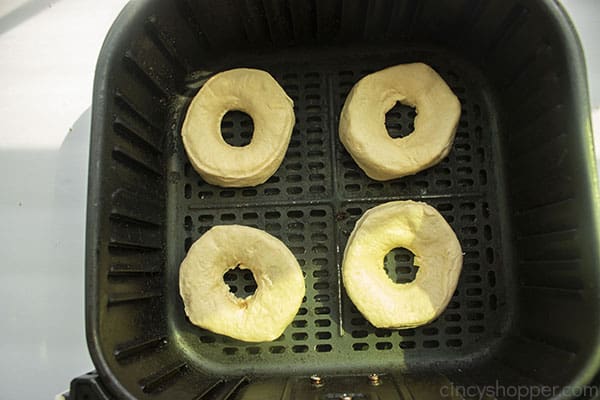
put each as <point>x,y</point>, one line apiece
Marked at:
<point>48,53</point>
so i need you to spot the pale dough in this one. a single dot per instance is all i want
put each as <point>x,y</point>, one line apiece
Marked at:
<point>419,228</point>
<point>362,122</point>
<point>208,302</point>
<point>256,93</point>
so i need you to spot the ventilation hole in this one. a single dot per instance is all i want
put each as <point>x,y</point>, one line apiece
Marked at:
<point>318,237</point>
<point>323,348</point>
<point>232,120</point>
<point>253,350</point>
<point>492,278</point>
<point>318,225</point>
<point>321,323</point>
<point>352,175</point>
<point>316,177</point>
<point>466,182</point>
<point>454,343</point>
<point>453,330</point>
<point>473,279</point>
<point>430,344</point>
<point>359,334</point>
<point>469,230</point>
<point>187,223</point>
<point>295,214</point>
<point>383,333</point>
<point>474,316</point>
<point>470,242</point>
<point>206,218</point>
<point>302,311</point>
<point>276,349</point>
<point>187,244</point>
<point>271,191</point>
<point>248,289</point>
<point>358,321</point>
<point>323,335</point>
<point>321,298</point>
<point>476,329</point>
<point>300,349</point>
<point>314,119</point>
<point>295,237</point>
<point>493,302</point>
<point>489,255</point>
<point>421,185</point>
<point>319,249</point>
<point>482,177</point>
<point>453,305</point>
<point>273,226</point>
<point>297,249</point>
<point>296,226</point>
<point>230,351</point>
<point>360,346</point>
<point>469,218</point>
<point>315,153</point>
<point>300,336</point>
<point>187,190</point>
<point>301,323</point>
<point>464,170</point>
<point>228,217</point>
<point>430,331</point>
<point>293,178</point>
<point>408,345</point>
<point>474,304</point>
<point>207,339</point>
<point>320,262</point>
<point>400,271</point>
<point>250,215</point>
<point>474,292</point>
<point>322,310</point>
<point>318,213</point>
<point>383,346</point>
<point>317,189</point>
<point>487,232</point>
<point>321,285</point>
<point>452,317</point>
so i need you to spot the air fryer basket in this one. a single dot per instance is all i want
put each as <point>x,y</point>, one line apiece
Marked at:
<point>518,188</point>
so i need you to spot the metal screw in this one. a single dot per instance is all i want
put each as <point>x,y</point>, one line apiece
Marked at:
<point>374,379</point>
<point>316,380</point>
<point>345,397</point>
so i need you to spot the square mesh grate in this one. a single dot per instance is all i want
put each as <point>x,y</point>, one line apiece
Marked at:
<point>312,204</point>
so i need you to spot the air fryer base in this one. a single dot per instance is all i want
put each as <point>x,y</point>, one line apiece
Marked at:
<point>519,188</point>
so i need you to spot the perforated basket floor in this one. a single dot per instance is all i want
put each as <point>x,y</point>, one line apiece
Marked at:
<point>312,204</point>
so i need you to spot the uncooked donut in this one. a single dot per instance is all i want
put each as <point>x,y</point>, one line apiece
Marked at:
<point>208,302</point>
<point>256,93</point>
<point>362,122</point>
<point>419,228</point>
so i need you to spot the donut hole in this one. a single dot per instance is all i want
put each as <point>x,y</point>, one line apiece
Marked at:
<point>400,120</point>
<point>399,265</point>
<point>237,128</point>
<point>241,282</point>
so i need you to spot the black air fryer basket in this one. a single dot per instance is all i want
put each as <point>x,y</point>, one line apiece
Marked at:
<point>519,189</point>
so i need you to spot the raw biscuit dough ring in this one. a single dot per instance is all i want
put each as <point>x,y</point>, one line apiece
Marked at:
<point>256,93</point>
<point>260,317</point>
<point>362,122</point>
<point>419,228</point>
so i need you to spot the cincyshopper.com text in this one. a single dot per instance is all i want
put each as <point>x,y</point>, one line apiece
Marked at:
<point>517,392</point>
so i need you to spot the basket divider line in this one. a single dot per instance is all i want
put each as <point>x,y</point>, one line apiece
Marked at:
<point>336,198</point>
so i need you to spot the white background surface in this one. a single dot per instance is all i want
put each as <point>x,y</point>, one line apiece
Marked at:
<point>48,50</point>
